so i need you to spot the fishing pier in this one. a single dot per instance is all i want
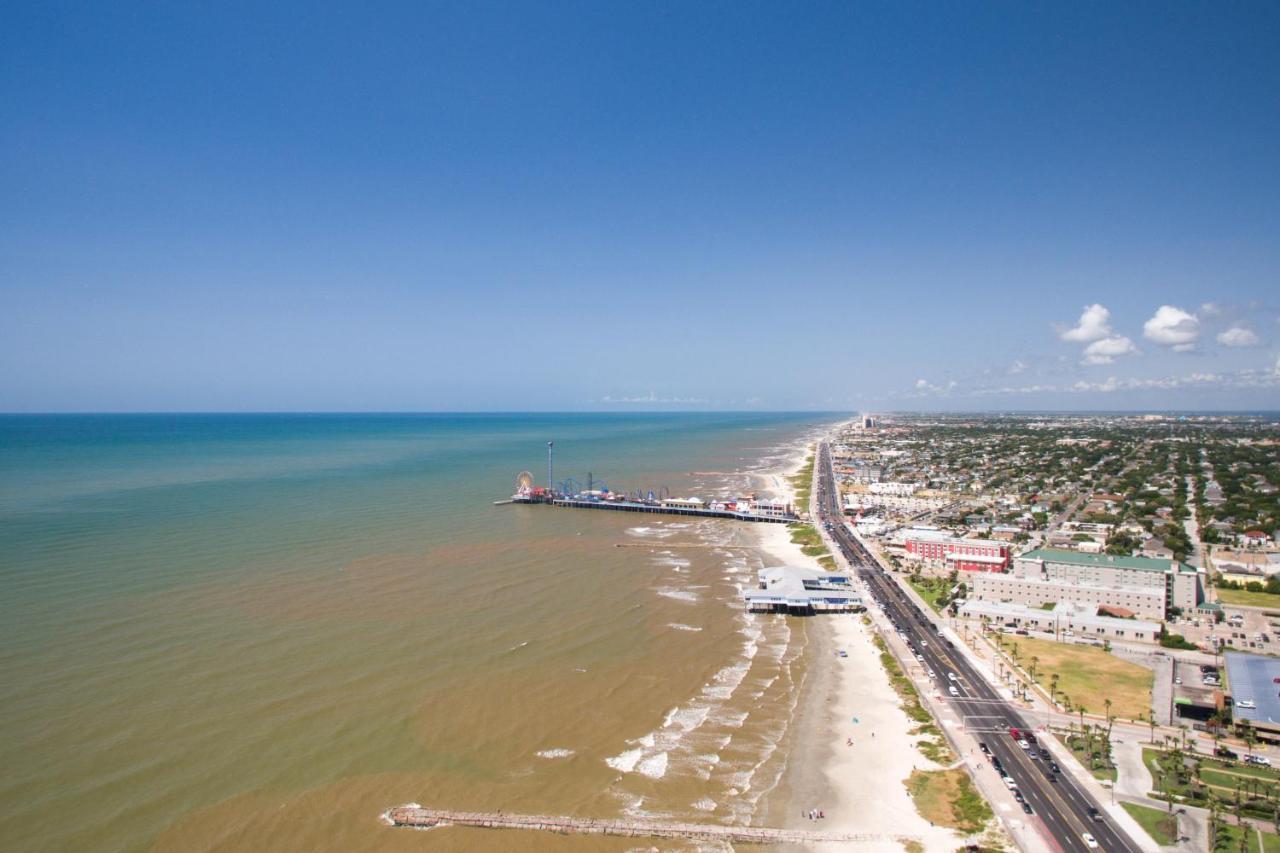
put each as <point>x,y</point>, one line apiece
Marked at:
<point>420,818</point>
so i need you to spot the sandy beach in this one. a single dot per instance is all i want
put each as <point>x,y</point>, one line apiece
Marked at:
<point>859,787</point>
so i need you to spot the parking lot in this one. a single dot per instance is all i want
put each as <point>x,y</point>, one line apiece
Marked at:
<point>1242,630</point>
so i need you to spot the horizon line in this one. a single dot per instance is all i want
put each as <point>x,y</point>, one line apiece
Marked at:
<point>629,411</point>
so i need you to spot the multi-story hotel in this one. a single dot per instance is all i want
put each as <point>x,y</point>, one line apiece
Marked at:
<point>1145,587</point>
<point>966,555</point>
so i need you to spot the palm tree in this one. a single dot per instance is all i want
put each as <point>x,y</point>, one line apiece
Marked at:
<point>1034,660</point>
<point>1053,687</point>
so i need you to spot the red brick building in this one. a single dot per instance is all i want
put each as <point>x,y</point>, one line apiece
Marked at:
<point>965,555</point>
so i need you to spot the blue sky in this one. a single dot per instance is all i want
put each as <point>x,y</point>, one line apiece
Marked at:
<point>646,205</point>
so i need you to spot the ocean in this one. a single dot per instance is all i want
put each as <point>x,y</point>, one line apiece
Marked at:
<point>258,632</point>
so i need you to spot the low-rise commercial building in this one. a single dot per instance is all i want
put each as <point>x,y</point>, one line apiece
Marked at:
<point>1252,682</point>
<point>1064,621</point>
<point>1147,588</point>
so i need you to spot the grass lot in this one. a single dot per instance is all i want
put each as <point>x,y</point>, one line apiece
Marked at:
<point>806,536</point>
<point>1154,821</point>
<point>930,591</point>
<point>1247,598</point>
<point>1228,840</point>
<point>1259,786</point>
<point>1098,764</point>
<point>948,798</point>
<point>1087,675</point>
<point>802,482</point>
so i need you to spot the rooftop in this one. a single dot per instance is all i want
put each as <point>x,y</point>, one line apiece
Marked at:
<point>797,586</point>
<point>1149,564</point>
<point>1252,678</point>
<point>1063,616</point>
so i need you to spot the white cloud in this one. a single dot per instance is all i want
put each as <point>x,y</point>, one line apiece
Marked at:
<point>1017,367</point>
<point>924,386</point>
<point>1238,336</point>
<point>1106,350</point>
<point>1210,309</point>
<point>1094,324</point>
<point>1172,327</point>
<point>652,398</point>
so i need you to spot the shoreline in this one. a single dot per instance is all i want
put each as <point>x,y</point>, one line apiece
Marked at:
<point>860,788</point>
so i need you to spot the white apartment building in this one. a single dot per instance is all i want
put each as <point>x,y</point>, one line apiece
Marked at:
<point>1146,587</point>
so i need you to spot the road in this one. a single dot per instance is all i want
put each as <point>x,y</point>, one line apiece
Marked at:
<point>1058,800</point>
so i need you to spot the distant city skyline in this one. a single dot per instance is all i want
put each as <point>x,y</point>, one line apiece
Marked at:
<point>585,206</point>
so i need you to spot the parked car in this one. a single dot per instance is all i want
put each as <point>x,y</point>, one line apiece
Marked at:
<point>1009,783</point>
<point>986,750</point>
<point>1260,760</point>
<point>1053,765</point>
<point>1223,752</point>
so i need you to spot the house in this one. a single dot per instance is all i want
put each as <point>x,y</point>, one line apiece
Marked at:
<point>1254,539</point>
<point>1155,548</point>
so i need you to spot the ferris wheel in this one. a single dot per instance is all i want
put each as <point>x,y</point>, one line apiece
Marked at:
<point>524,483</point>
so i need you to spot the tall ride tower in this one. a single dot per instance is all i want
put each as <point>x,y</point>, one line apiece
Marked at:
<point>551,483</point>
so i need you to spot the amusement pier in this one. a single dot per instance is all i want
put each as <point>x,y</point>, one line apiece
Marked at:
<point>572,494</point>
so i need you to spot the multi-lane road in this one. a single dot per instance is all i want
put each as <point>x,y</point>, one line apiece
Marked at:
<point>1065,808</point>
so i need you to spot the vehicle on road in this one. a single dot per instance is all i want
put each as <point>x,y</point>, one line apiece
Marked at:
<point>1223,752</point>
<point>1260,760</point>
<point>1247,704</point>
<point>1053,765</point>
<point>1094,814</point>
<point>1089,841</point>
<point>951,676</point>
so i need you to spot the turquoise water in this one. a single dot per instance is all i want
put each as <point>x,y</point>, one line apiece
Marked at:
<point>214,624</point>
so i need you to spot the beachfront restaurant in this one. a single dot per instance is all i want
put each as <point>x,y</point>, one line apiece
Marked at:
<point>801,591</point>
